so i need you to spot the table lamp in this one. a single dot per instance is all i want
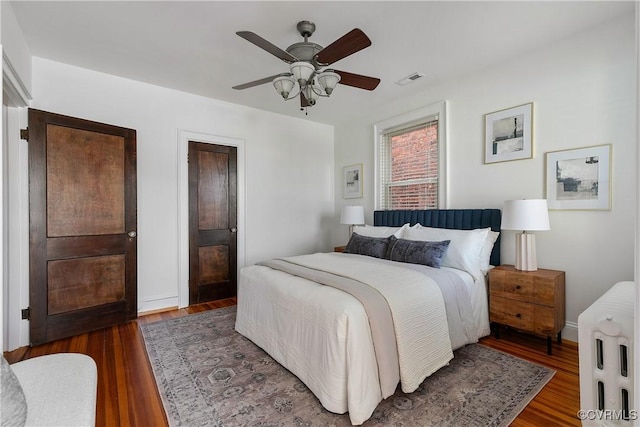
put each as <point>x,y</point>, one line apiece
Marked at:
<point>525,215</point>
<point>352,215</point>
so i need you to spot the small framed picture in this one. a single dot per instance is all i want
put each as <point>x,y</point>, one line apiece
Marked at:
<point>352,181</point>
<point>579,178</point>
<point>508,134</point>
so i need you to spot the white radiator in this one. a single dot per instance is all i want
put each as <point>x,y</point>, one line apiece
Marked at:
<point>606,348</point>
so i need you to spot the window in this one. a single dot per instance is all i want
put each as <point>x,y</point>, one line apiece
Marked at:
<point>410,160</point>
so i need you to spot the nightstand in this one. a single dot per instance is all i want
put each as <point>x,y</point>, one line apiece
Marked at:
<point>529,301</point>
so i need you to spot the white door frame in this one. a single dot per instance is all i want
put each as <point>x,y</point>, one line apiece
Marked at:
<point>14,268</point>
<point>183,204</point>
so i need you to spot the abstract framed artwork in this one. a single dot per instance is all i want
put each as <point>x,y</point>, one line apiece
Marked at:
<point>352,181</point>
<point>509,134</point>
<point>579,178</point>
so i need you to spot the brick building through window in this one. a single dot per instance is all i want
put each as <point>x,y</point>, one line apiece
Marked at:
<point>414,168</point>
<point>409,166</point>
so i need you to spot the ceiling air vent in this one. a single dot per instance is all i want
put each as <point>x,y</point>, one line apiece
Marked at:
<point>410,78</point>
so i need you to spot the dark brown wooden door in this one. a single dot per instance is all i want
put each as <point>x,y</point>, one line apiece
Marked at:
<point>82,204</point>
<point>212,221</point>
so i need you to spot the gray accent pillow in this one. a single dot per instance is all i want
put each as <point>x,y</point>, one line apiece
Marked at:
<point>12,400</point>
<point>365,245</point>
<point>417,251</point>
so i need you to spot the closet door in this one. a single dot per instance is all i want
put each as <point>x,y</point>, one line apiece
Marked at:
<point>212,221</point>
<point>83,219</point>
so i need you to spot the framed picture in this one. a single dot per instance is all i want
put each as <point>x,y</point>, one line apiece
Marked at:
<point>508,134</point>
<point>352,179</point>
<point>579,178</point>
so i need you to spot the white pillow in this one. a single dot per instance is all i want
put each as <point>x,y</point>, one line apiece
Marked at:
<point>371,231</point>
<point>485,252</point>
<point>464,249</point>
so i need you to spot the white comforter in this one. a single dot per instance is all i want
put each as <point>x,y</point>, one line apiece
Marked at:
<point>322,334</point>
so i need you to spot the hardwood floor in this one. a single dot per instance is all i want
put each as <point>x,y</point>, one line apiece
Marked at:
<point>127,394</point>
<point>559,401</point>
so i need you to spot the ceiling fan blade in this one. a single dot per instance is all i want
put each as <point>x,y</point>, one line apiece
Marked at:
<point>259,82</point>
<point>357,80</point>
<point>268,46</point>
<point>352,42</point>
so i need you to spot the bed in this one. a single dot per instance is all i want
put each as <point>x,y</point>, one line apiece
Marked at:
<point>353,344</point>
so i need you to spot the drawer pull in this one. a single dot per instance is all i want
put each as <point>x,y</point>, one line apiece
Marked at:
<point>518,315</point>
<point>518,287</point>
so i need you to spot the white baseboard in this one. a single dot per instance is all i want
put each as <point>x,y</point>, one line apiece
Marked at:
<point>570,331</point>
<point>158,303</point>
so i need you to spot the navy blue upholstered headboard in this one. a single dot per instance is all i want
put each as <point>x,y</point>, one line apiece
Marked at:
<point>461,219</point>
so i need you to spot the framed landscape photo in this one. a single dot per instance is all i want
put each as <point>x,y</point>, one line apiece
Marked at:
<point>579,178</point>
<point>352,181</point>
<point>509,134</point>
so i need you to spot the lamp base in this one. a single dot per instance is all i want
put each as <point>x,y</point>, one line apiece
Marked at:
<point>526,252</point>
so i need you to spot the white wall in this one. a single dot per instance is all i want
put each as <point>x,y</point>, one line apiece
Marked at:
<point>288,169</point>
<point>15,50</point>
<point>583,90</point>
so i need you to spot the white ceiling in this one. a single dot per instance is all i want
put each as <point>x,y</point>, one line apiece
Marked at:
<point>192,46</point>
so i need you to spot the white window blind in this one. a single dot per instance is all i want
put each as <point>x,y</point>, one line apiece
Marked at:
<point>408,165</point>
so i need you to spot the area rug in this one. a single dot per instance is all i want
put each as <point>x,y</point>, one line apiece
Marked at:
<point>209,375</point>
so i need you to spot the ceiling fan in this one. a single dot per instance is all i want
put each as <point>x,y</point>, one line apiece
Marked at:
<point>308,61</point>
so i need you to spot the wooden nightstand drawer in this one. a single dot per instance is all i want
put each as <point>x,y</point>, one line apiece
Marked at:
<point>544,320</point>
<point>546,290</point>
<point>509,285</point>
<point>519,315</point>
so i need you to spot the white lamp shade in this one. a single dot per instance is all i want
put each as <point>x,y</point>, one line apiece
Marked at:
<point>302,71</point>
<point>352,215</point>
<point>283,85</point>
<point>525,215</point>
<point>328,80</point>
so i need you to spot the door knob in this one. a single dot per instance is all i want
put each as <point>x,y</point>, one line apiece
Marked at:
<point>233,229</point>
<point>132,234</point>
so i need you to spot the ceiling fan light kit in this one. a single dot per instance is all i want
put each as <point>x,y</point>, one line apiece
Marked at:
<point>328,80</point>
<point>307,61</point>
<point>283,85</point>
<point>312,93</point>
<point>302,72</point>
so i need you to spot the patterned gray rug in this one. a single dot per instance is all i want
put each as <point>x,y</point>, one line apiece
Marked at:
<point>209,375</point>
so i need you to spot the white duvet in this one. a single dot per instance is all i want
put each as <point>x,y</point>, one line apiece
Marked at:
<point>322,334</point>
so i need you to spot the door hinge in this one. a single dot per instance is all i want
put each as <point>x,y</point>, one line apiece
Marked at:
<point>24,134</point>
<point>26,313</point>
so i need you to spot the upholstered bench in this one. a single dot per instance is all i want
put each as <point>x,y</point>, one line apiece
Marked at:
<point>53,390</point>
